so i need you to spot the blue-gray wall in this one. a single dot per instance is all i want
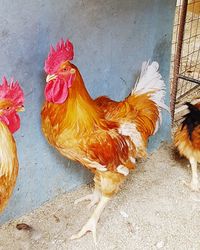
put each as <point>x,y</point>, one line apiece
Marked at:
<point>111,39</point>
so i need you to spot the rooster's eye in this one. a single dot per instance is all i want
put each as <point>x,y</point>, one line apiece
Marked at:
<point>64,69</point>
<point>8,108</point>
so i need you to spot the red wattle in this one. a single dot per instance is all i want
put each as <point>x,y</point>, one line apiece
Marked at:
<point>56,91</point>
<point>12,120</point>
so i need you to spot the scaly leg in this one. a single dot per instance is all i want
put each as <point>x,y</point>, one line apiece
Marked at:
<point>92,222</point>
<point>194,184</point>
<point>94,198</point>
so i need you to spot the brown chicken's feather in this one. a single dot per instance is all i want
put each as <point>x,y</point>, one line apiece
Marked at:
<point>137,109</point>
<point>108,148</point>
<point>8,165</point>
<point>79,130</point>
<point>90,131</point>
<point>108,182</point>
<point>188,147</point>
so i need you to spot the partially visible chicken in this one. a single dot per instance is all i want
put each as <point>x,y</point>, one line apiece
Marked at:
<point>194,6</point>
<point>187,141</point>
<point>103,135</point>
<point>11,102</point>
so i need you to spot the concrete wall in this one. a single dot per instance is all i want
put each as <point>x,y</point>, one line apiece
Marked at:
<point>111,39</point>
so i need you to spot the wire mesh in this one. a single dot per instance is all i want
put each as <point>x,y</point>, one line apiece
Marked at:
<point>185,73</point>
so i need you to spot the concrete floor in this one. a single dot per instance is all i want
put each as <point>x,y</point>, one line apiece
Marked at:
<point>154,210</point>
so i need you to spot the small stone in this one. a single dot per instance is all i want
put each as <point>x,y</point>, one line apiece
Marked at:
<point>36,235</point>
<point>160,244</point>
<point>137,228</point>
<point>124,214</point>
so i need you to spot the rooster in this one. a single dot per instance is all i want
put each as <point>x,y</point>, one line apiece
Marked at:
<point>187,141</point>
<point>103,135</point>
<point>11,102</point>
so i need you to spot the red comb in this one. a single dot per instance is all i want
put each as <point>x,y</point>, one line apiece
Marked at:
<point>11,91</point>
<point>64,52</point>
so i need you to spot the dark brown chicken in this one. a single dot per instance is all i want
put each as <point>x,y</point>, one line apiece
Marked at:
<point>187,141</point>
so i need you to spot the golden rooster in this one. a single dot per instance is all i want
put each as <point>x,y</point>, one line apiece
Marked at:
<point>11,102</point>
<point>187,141</point>
<point>103,135</point>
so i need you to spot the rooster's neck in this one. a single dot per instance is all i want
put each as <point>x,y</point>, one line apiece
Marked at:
<point>80,107</point>
<point>7,151</point>
<point>78,90</point>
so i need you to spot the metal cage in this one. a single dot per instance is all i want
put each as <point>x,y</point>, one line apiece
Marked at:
<point>185,62</point>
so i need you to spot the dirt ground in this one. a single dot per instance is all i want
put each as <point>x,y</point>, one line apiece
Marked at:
<point>154,210</point>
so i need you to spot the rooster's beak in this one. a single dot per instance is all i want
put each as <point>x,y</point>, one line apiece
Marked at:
<point>21,109</point>
<point>50,77</point>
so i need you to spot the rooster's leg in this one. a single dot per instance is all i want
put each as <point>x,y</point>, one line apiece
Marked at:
<point>92,222</point>
<point>194,184</point>
<point>93,198</point>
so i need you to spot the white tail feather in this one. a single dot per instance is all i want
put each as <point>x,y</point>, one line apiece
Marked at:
<point>150,81</point>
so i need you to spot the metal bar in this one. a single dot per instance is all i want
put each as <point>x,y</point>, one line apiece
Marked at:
<point>178,57</point>
<point>189,79</point>
<point>186,93</point>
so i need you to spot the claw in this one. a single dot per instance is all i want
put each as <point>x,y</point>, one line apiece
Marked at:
<point>93,198</point>
<point>92,222</point>
<point>89,226</point>
<point>93,202</point>
<point>85,198</point>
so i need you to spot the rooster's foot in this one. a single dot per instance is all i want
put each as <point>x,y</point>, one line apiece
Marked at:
<point>93,198</point>
<point>89,226</point>
<point>92,222</point>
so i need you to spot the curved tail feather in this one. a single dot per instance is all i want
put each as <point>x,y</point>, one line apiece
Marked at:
<point>150,82</point>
